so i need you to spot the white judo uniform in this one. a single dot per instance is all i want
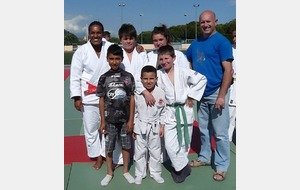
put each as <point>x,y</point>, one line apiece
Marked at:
<point>180,60</point>
<point>187,83</point>
<point>138,61</point>
<point>87,67</point>
<point>134,67</point>
<point>232,98</point>
<point>147,126</point>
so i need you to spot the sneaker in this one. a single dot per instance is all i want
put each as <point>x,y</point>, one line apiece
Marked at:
<point>105,181</point>
<point>158,179</point>
<point>138,180</point>
<point>128,177</point>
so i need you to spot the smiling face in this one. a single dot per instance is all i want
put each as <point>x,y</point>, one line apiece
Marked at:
<point>166,57</point>
<point>127,36</point>
<point>208,22</point>
<point>95,34</point>
<point>166,61</point>
<point>128,43</point>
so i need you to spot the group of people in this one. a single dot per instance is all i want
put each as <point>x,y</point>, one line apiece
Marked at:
<point>134,101</point>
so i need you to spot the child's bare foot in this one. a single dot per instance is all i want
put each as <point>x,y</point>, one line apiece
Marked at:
<point>98,163</point>
<point>116,166</point>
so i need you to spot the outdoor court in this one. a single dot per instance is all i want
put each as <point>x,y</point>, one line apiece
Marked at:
<point>79,174</point>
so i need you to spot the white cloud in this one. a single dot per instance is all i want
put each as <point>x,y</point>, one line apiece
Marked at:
<point>76,25</point>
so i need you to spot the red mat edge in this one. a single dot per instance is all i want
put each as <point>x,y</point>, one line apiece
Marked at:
<point>75,150</point>
<point>75,147</point>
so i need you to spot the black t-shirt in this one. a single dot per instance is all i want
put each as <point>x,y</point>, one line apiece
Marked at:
<point>116,87</point>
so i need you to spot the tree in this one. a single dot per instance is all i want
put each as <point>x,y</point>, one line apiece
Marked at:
<point>70,38</point>
<point>177,33</point>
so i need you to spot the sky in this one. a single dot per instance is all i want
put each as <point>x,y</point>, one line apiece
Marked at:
<point>143,14</point>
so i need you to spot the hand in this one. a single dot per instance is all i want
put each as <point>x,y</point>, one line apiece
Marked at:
<point>134,136</point>
<point>220,103</point>
<point>78,104</point>
<point>139,48</point>
<point>190,102</point>
<point>129,127</point>
<point>150,100</point>
<point>102,128</point>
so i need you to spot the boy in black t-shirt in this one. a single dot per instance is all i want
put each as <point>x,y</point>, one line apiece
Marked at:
<point>116,105</point>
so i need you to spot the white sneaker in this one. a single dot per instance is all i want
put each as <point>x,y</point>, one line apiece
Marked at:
<point>138,180</point>
<point>128,177</point>
<point>106,180</point>
<point>158,179</point>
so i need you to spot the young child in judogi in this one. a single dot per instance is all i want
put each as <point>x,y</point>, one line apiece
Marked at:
<point>116,106</point>
<point>149,128</point>
<point>182,86</point>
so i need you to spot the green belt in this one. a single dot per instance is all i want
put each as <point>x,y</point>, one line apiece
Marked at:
<point>185,127</point>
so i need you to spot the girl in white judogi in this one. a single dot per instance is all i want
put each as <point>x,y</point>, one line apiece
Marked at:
<point>160,37</point>
<point>149,128</point>
<point>182,86</point>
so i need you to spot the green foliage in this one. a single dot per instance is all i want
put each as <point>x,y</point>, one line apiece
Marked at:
<point>177,33</point>
<point>146,38</point>
<point>70,38</point>
<point>114,40</point>
<point>227,28</point>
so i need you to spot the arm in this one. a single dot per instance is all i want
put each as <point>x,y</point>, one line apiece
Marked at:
<point>75,80</point>
<point>197,84</point>
<point>131,114</point>
<point>101,110</point>
<point>226,82</point>
<point>150,100</point>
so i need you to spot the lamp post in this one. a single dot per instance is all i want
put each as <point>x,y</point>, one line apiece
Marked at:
<point>141,15</point>
<point>185,27</point>
<point>196,6</point>
<point>121,5</point>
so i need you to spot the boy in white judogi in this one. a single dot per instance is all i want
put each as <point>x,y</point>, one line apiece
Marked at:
<point>182,86</point>
<point>133,62</point>
<point>149,128</point>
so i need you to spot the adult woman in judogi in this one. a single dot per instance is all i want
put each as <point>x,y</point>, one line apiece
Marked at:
<point>88,63</point>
